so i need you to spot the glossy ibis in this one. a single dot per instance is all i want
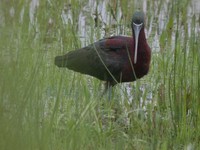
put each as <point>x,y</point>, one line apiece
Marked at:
<point>115,59</point>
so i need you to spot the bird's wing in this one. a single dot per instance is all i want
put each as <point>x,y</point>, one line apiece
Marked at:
<point>103,59</point>
<point>114,52</point>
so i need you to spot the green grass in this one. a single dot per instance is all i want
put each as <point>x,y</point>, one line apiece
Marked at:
<point>44,107</point>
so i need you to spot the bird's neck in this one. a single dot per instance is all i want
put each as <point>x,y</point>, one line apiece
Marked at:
<point>142,37</point>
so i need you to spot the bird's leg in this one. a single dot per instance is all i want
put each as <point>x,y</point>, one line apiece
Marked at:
<point>108,88</point>
<point>109,91</point>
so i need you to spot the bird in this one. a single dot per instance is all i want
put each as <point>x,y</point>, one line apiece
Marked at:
<point>115,59</point>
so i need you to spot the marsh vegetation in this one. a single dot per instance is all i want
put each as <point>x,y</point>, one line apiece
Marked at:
<point>43,107</point>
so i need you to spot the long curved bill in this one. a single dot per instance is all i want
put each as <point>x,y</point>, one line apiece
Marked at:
<point>136,28</point>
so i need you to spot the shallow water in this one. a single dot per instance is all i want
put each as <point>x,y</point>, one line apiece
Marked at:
<point>157,16</point>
